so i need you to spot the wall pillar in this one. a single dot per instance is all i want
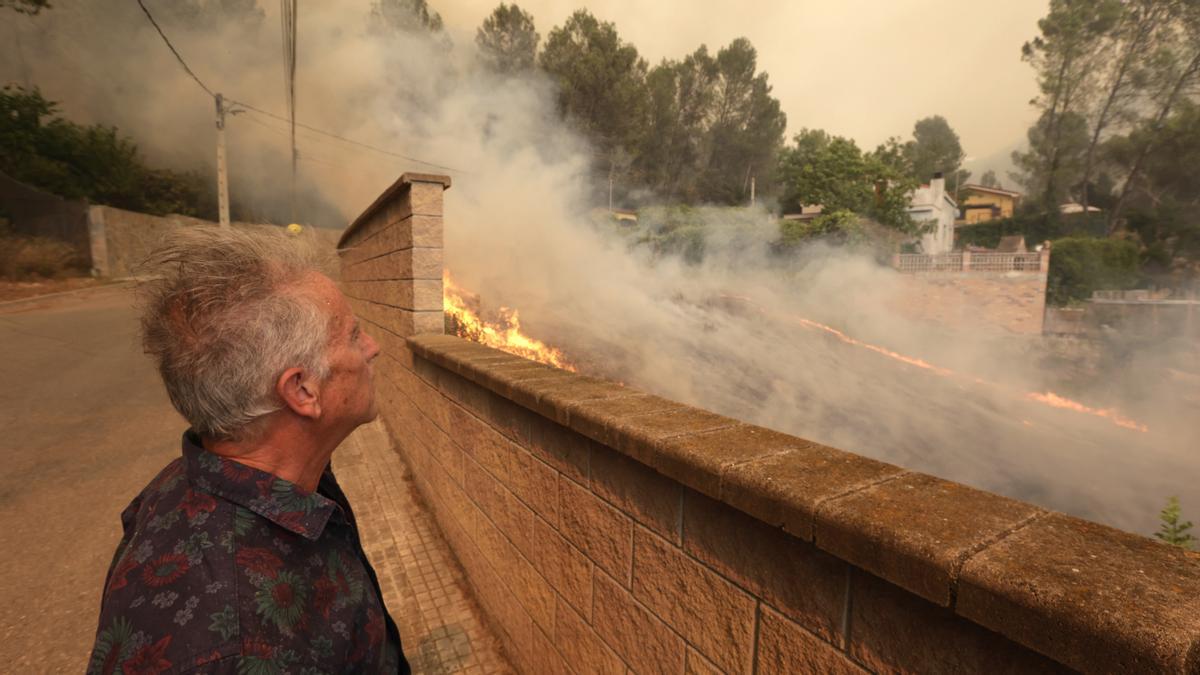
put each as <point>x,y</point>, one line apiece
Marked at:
<point>98,241</point>
<point>391,257</point>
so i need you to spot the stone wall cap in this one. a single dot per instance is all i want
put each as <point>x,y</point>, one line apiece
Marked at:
<point>1094,597</point>
<point>404,182</point>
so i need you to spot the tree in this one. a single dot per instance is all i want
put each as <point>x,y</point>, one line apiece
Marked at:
<point>935,148</point>
<point>831,171</point>
<point>1174,531</point>
<point>1065,56</point>
<point>1175,75</point>
<point>1054,159</point>
<point>1135,34</point>
<point>407,16</point>
<point>671,152</point>
<point>988,179</point>
<point>712,127</point>
<point>1163,205</point>
<point>94,162</point>
<point>507,40</point>
<point>601,83</point>
<point>894,154</point>
<point>746,130</point>
<point>1081,265</point>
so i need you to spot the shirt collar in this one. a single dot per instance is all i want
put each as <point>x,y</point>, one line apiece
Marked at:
<point>280,501</point>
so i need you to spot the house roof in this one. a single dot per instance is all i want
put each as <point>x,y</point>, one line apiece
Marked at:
<point>982,188</point>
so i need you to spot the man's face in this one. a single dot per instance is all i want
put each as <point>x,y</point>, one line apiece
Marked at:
<point>348,395</point>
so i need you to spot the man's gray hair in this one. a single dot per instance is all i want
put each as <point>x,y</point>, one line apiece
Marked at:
<point>223,317</point>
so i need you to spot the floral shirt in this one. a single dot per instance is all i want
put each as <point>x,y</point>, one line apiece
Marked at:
<point>226,569</point>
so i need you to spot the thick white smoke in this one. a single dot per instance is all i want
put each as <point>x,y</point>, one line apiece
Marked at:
<point>725,334</point>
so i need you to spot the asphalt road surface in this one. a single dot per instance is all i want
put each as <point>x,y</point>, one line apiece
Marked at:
<point>84,425</point>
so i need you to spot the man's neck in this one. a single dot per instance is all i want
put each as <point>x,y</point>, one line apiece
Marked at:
<point>294,454</point>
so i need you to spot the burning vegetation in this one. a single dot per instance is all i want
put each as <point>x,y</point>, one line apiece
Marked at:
<point>501,331</point>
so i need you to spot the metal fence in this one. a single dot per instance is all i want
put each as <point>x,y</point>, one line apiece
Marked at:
<point>968,262</point>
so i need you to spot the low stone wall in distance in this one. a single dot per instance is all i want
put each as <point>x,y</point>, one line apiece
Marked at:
<point>121,240</point>
<point>603,529</point>
<point>982,296</point>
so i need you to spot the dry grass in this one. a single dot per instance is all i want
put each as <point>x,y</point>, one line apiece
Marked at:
<point>24,258</point>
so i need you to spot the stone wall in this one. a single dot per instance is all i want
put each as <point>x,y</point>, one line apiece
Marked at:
<point>120,240</point>
<point>603,529</point>
<point>1013,302</point>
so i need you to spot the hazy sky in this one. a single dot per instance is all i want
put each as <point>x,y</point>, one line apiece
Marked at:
<point>866,69</point>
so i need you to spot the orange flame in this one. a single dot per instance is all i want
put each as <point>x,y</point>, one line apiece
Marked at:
<point>1049,398</point>
<point>1054,400</point>
<point>504,334</point>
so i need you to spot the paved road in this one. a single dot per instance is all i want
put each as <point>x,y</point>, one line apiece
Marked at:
<point>84,424</point>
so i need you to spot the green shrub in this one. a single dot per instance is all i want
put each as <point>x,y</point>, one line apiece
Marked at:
<point>1035,227</point>
<point>1080,265</point>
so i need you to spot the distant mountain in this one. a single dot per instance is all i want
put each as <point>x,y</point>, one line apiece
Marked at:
<point>1000,162</point>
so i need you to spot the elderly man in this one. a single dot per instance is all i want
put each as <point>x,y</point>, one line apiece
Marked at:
<point>243,555</point>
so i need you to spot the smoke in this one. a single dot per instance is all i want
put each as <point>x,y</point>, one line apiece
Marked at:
<point>726,331</point>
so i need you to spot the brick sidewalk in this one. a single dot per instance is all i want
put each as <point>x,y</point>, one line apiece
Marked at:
<point>423,585</point>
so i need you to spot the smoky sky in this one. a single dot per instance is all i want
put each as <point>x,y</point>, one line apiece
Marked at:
<point>864,69</point>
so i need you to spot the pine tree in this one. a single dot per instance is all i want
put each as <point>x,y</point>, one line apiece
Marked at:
<point>1173,531</point>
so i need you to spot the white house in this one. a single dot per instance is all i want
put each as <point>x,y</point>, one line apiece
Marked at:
<point>931,203</point>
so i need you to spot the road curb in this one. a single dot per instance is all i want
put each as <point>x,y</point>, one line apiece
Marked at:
<point>35,298</point>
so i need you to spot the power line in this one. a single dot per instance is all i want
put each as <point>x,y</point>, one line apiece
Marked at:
<point>347,140</point>
<point>172,48</point>
<point>260,111</point>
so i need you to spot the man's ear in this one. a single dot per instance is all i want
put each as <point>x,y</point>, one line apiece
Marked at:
<point>299,392</point>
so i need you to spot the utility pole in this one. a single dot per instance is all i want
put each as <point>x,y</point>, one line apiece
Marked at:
<point>610,187</point>
<point>222,176</point>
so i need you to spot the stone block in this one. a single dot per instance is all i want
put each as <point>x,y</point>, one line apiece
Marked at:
<point>409,263</point>
<point>582,647</point>
<point>561,448</point>
<point>553,398</point>
<point>425,199</point>
<point>512,517</point>
<point>566,568</point>
<point>420,233</point>
<point>516,572</point>
<point>633,632</point>
<point>535,483</point>
<point>1094,598</point>
<point>660,441</point>
<point>602,532</point>
<point>806,584</point>
<point>646,495</point>
<point>785,647</point>
<point>507,417</point>
<point>713,615</point>
<point>892,630</point>
<point>916,530</point>
<point>544,656</point>
<point>600,419</point>
<point>428,321</point>
<point>696,664</point>
<point>786,484</point>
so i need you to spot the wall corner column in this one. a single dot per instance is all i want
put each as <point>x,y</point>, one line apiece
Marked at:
<point>391,257</point>
<point>98,241</point>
